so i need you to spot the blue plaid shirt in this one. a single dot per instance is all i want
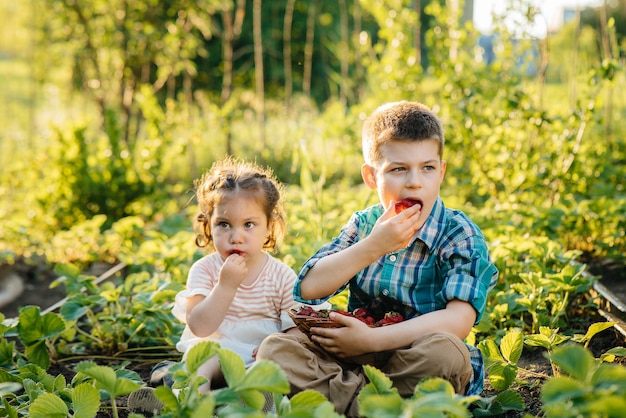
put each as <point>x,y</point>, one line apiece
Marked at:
<point>446,259</point>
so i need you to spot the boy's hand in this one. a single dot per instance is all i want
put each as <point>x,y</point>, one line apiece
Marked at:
<point>396,230</point>
<point>348,341</point>
<point>233,271</point>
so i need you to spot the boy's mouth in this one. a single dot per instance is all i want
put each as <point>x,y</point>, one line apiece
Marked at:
<point>404,204</point>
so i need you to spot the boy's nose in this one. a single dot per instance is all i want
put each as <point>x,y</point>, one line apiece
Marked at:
<point>413,179</point>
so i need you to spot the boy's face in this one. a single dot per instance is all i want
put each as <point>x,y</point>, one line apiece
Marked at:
<point>410,170</point>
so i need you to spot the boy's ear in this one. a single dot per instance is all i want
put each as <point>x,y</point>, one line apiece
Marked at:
<point>369,176</point>
<point>442,173</point>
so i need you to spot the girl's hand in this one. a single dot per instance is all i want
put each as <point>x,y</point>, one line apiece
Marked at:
<point>234,271</point>
<point>395,231</point>
<point>351,340</point>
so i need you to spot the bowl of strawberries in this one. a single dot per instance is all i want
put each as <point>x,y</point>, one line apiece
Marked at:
<point>307,317</point>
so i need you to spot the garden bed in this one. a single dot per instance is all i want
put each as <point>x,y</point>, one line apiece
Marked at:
<point>534,366</point>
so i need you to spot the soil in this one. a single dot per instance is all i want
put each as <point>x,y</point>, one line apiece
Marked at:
<point>534,366</point>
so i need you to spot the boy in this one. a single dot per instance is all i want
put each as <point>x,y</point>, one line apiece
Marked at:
<point>427,262</point>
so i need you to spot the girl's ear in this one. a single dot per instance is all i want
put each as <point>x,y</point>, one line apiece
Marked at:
<point>369,176</point>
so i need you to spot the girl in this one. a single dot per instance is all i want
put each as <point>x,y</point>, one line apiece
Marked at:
<point>238,294</point>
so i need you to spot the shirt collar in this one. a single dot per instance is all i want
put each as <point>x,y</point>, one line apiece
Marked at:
<point>433,226</point>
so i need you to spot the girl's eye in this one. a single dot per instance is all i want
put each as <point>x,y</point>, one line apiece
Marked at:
<point>223,225</point>
<point>249,225</point>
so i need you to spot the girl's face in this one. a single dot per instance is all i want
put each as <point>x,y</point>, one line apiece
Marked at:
<point>239,225</point>
<point>407,170</point>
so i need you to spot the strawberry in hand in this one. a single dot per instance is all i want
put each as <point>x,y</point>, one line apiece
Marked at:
<point>404,204</point>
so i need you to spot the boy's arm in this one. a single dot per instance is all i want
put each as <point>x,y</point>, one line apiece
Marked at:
<point>391,233</point>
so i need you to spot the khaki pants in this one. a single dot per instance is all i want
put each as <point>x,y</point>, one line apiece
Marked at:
<point>308,366</point>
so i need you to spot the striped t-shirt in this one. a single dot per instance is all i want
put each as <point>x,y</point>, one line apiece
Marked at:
<point>256,311</point>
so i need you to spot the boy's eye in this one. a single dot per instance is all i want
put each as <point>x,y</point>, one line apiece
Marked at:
<point>398,169</point>
<point>429,167</point>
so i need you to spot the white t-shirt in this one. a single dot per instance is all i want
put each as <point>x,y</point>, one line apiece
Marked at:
<point>257,310</point>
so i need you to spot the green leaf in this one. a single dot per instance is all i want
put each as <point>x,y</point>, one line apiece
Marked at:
<point>610,355</point>
<point>8,408</point>
<point>166,395</point>
<point>48,405</point>
<point>490,352</point>
<point>253,398</point>
<point>606,406</point>
<point>596,328</point>
<point>574,360</point>
<point>37,353</point>
<point>85,401</point>
<point>538,340</point>
<point>512,345</point>
<point>611,377</point>
<point>266,376</point>
<point>9,387</point>
<point>434,385</point>
<point>381,406</point>
<point>5,376</point>
<point>200,354</point>
<point>561,389</point>
<point>33,327</point>
<point>307,399</point>
<point>502,375</point>
<point>510,401</point>
<point>379,382</point>
<point>73,310</point>
<point>107,380</point>
<point>438,405</point>
<point>124,386</point>
<point>204,408</point>
<point>232,366</point>
<point>103,375</point>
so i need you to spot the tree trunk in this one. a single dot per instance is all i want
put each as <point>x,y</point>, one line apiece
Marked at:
<point>232,30</point>
<point>258,69</point>
<point>358,64</point>
<point>343,54</point>
<point>308,49</point>
<point>607,55</point>
<point>417,33</point>
<point>287,51</point>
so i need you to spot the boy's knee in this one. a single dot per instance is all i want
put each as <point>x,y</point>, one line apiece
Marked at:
<point>438,354</point>
<point>445,348</point>
<point>273,345</point>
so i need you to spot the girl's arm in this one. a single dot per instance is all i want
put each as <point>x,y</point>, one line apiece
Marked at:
<point>205,314</point>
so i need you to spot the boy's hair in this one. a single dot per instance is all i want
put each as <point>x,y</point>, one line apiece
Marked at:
<point>230,176</point>
<point>399,121</point>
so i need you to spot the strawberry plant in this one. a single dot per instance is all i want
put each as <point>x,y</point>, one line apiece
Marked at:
<point>586,387</point>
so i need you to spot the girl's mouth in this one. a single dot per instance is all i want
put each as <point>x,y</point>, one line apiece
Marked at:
<point>404,204</point>
<point>238,252</point>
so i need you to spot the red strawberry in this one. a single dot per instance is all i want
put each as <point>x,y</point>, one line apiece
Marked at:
<point>404,204</point>
<point>390,318</point>
<point>360,312</point>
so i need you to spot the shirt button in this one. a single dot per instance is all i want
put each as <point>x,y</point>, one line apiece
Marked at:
<point>385,292</point>
<point>392,258</point>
